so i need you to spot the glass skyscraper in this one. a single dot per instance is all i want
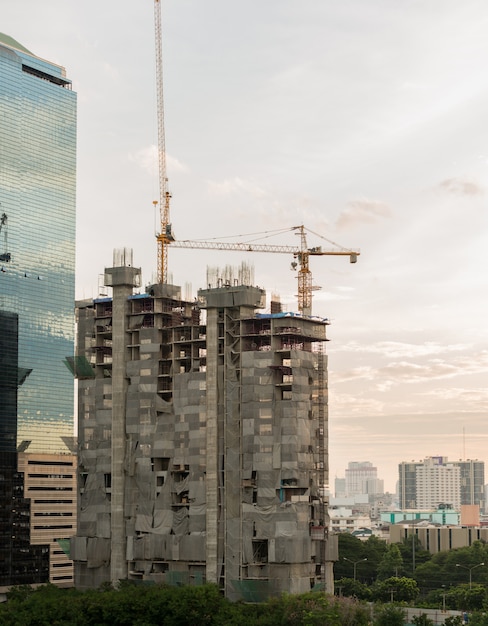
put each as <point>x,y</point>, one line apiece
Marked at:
<point>37,261</point>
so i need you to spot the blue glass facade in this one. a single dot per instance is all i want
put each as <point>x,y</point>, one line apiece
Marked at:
<point>37,244</point>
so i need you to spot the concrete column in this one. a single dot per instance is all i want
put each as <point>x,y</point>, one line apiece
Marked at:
<point>212,477</point>
<point>122,280</point>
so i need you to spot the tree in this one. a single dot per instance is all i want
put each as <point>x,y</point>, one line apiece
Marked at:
<point>395,589</point>
<point>453,567</point>
<point>429,576</point>
<point>413,553</point>
<point>353,549</point>
<point>453,620</point>
<point>374,549</point>
<point>466,597</point>
<point>153,605</point>
<point>422,620</point>
<point>352,588</point>
<point>350,549</point>
<point>313,609</point>
<point>392,562</point>
<point>389,615</point>
<point>476,619</point>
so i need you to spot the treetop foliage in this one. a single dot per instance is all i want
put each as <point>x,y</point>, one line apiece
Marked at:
<point>141,605</point>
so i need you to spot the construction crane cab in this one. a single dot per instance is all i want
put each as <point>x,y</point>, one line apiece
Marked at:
<point>5,255</point>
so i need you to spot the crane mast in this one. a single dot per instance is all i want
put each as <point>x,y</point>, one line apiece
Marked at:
<point>304,277</point>
<point>164,237</point>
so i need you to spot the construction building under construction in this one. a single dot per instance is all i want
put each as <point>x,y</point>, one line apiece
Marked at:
<point>202,438</point>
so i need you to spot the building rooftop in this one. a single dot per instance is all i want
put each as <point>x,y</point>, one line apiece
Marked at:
<point>12,43</point>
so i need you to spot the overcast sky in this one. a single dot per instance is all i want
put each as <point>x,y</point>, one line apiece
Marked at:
<point>365,120</point>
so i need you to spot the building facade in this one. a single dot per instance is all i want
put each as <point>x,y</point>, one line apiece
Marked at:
<point>362,477</point>
<point>472,478</point>
<point>203,444</point>
<point>37,279</point>
<point>435,538</point>
<point>435,481</point>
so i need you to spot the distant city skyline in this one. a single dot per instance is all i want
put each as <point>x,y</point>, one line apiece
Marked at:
<point>363,123</point>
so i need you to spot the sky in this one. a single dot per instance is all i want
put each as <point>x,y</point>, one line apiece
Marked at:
<point>366,121</point>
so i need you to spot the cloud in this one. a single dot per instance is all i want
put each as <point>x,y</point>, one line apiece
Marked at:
<point>438,369</point>
<point>147,159</point>
<point>353,405</point>
<point>235,185</point>
<point>396,349</point>
<point>473,396</point>
<point>361,212</point>
<point>460,187</point>
<point>383,378</point>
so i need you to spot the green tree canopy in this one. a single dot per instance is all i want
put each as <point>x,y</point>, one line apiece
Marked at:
<point>392,562</point>
<point>367,554</point>
<point>352,588</point>
<point>466,597</point>
<point>154,605</point>
<point>453,567</point>
<point>395,589</point>
<point>413,554</point>
<point>389,615</point>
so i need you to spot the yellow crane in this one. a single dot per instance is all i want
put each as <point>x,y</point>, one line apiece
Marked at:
<point>164,237</point>
<point>302,253</point>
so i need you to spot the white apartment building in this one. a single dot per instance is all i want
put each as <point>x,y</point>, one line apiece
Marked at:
<point>435,480</point>
<point>362,477</point>
<point>438,483</point>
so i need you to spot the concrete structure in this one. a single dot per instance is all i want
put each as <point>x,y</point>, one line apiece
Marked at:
<point>437,482</point>
<point>427,484</point>
<point>438,538</point>
<point>362,477</point>
<point>37,265</point>
<point>50,488</point>
<point>443,517</point>
<point>203,446</point>
<point>343,520</point>
<point>340,487</point>
<point>472,479</point>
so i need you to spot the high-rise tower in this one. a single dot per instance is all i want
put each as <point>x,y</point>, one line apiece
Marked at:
<point>203,443</point>
<point>37,278</point>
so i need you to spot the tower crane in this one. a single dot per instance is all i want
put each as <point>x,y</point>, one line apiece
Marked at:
<point>302,253</point>
<point>164,237</point>
<point>5,255</point>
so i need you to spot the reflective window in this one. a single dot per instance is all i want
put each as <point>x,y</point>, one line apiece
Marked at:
<point>37,243</point>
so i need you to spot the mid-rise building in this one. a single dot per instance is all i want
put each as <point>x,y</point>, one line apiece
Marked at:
<point>340,487</point>
<point>472,479</point>
<point>435,481</point>
<point>203,442</point>
<point>436,538</point>
<point>37,279</point>
<point>362,477</point>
